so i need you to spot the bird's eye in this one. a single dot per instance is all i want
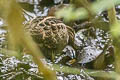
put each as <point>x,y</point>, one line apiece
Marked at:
<point>41,25</point>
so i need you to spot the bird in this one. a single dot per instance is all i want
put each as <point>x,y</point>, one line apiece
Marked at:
<point>50,34</point>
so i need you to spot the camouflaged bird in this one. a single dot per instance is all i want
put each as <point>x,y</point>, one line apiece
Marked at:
<point>51,34</point>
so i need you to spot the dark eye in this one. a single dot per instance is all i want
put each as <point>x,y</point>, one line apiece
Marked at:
<point>41,25</point>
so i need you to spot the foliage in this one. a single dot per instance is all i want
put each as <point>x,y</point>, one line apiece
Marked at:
<point>12,14</point>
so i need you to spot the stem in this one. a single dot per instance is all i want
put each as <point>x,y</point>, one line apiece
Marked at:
<point>113,21</point>
<point>14,18</point>
<point>112,15</point>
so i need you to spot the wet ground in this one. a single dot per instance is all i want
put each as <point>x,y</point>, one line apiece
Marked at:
<point>93,45</point>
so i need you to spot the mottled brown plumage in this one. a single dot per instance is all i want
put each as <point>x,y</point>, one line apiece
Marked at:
<point>51,34</point>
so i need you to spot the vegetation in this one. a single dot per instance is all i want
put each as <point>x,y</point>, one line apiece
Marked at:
<point>11,12</point>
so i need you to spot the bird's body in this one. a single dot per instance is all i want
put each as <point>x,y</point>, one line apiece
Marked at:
<point>51,34</point>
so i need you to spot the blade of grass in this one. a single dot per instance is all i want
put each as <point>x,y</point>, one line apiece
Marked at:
<point>94,73</point>
<point>12,14</point>
<point>82,13</point>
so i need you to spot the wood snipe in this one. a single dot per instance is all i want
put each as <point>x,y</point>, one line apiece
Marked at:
<point>51,34</point>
